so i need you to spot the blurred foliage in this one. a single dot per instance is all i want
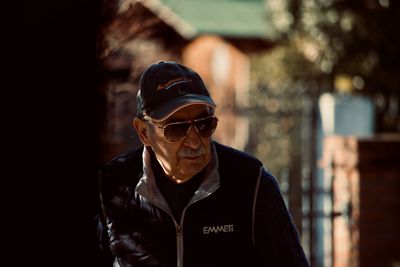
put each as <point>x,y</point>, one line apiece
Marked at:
<point>356,37</point>
<point>321,40</point>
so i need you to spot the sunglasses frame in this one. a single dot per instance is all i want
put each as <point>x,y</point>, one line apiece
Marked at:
<point>192,124</point>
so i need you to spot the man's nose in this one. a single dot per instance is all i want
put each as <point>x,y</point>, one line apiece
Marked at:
<point>193,139</point>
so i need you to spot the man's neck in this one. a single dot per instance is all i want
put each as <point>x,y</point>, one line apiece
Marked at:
<point>159,168</point>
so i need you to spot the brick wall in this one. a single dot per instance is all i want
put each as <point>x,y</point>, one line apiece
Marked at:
<point>366,200</point>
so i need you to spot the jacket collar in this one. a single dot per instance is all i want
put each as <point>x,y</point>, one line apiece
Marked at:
<point>148,189</point>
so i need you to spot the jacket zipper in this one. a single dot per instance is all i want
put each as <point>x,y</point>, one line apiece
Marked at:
<point>179,245</point>
<point>179,234</point>
<point>178,228</point>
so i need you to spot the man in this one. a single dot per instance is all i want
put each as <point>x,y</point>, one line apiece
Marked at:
<point>184,199</point>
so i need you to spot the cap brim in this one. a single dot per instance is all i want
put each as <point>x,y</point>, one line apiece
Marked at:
<point>163,112</point>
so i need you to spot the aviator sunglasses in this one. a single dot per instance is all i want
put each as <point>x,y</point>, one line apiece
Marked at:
<point>177,131</point>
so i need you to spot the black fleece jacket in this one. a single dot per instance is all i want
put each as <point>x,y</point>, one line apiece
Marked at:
<point>237,217</point>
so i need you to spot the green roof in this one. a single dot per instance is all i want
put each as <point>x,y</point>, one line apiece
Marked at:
<point>229,18</point>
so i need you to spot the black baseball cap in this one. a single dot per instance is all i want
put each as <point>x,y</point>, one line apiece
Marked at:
<point>168,86</point>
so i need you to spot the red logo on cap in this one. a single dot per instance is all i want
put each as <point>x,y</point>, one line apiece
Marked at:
<point>172,83</point>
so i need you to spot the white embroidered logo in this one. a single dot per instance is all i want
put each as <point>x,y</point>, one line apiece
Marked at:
<point>227,228</point>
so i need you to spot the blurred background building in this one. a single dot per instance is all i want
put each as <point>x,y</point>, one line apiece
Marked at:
<point>311,87</point>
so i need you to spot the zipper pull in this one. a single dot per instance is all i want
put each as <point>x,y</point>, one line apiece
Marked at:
<point>178,229</point>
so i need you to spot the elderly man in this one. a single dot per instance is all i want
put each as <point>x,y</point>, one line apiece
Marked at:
<point>185,200</point>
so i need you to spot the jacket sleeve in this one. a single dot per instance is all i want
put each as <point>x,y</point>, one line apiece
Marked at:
<point>276,238</point>
<point>117,235</point>
<point>105,257</point>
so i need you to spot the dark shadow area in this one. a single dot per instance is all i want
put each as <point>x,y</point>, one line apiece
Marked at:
<point>54,134</point>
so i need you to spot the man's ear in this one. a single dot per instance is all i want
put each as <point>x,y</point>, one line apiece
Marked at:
<point>142,130</point>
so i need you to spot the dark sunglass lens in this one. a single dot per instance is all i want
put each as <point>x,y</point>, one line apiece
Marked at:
<point>176,132</point>
<point>207,126</point>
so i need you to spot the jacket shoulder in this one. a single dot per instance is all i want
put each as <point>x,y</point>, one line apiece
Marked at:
<point>121,173</point>
<point>123,163</point>
<point>236,166</point>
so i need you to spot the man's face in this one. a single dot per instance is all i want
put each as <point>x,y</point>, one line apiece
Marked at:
<point>183,159</point>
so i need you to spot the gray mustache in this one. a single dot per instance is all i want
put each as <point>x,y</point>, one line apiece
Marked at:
<point>187,152</point>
